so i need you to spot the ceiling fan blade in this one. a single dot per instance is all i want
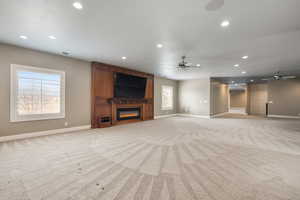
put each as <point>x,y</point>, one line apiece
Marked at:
<point>289,77</point>
<point>214,5</point>
<point>169,68</point>
<point>166,65</point>
<point>183,68</point>
<point>267,79</point>
<point>194,67</point>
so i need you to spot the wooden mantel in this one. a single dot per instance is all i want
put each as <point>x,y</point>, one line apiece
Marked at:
<point>103,103</point>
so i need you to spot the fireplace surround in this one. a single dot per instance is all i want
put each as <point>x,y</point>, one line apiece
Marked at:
<point>105,105</point>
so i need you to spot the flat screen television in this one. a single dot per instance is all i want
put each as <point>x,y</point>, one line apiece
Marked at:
<point>129,86</point>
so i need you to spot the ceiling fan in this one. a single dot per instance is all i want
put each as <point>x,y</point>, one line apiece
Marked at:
<point>279,76</point>
<point>214,5</point>
<point>186,65</point>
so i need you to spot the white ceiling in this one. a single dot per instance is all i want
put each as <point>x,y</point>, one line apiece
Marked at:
<point>266,30</point>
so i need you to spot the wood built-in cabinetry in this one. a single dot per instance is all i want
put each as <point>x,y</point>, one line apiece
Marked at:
<point>103,104</point>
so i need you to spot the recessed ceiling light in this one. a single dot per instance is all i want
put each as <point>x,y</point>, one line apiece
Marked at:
<point>236,65</point>
<point>124,58</point>
<point>245,57</point>
<point>77,5</point>
<point>225,23</point>
<point>198,65</point>
<point>23,37</point>
<point>243,72</point>
<point>252,80</point>
<point>159,46</point>
<point>52,37</point>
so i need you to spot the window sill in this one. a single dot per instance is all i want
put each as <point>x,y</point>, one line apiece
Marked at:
<point>36,119</point>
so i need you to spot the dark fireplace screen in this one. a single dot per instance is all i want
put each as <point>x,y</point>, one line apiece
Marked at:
<point>128,113</point>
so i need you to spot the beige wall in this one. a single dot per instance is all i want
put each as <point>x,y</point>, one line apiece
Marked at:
<point>77,89</point>
<point>158,83</point>
<point>198,97</point>
<point>219,98</point>
<point>285,95</point>
<point>258,97</point>
<point>238,98</point>
<point>194,97</point>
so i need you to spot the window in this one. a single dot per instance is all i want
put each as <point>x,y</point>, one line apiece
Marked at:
<point>167,97</point>
<point>36,93</point>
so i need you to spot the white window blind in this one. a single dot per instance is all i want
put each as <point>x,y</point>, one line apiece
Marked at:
<point>36,93</point>
<point>167,97</point>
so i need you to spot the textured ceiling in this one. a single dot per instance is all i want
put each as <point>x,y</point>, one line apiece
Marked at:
<point>268,31</point>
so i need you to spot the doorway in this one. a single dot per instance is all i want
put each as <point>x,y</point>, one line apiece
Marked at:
<point>238,100</point>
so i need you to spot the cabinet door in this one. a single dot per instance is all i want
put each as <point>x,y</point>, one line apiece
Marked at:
<point>149,88</point>
<point>103,84</point>
<point>148,111</point>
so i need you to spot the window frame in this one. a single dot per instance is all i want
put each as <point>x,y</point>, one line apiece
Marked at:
<point>14,86</point>
<point>162,106</point>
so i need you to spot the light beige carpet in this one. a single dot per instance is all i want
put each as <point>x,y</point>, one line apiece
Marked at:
<point>174,158</point>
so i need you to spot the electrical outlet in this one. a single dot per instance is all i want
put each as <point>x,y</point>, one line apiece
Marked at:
<point>66,123</point>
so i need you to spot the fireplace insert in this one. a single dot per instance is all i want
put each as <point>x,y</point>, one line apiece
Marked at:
<point>128,113</point>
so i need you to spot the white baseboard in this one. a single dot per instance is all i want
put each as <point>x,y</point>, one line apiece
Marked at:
<point>164,116</point>
<point>218,115</point>
<point>284,116</point>
<point>43,133</point>
<point>182,115</point>
<point>191,115</point>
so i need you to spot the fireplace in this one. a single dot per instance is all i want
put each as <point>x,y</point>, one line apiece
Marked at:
<point>128,113</point>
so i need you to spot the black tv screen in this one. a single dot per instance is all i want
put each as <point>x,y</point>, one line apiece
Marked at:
<point>128,86</point>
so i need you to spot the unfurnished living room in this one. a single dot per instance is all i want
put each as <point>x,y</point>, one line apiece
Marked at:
<point>150,100</point>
